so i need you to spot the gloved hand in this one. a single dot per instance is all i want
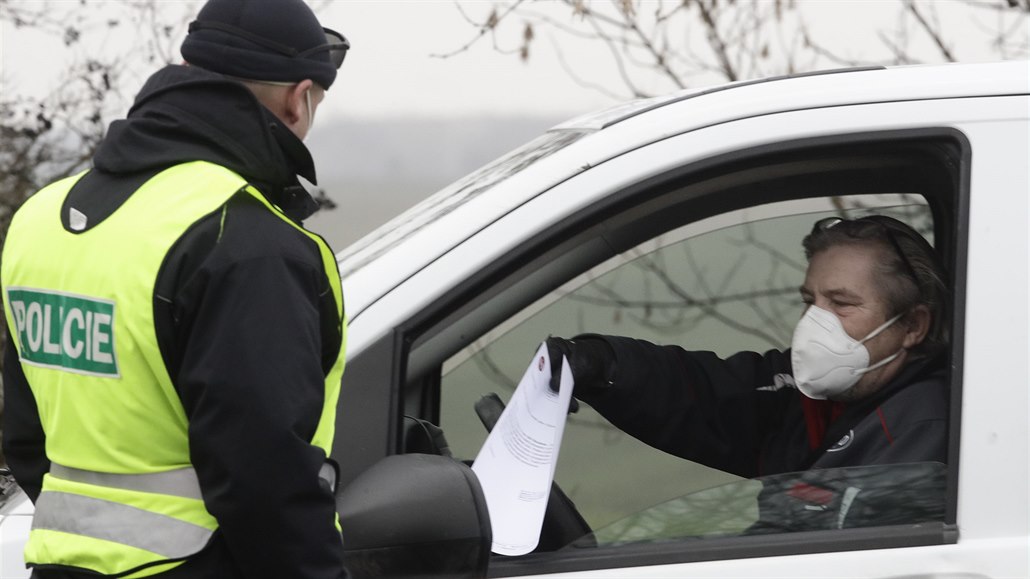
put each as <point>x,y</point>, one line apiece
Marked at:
<point>591,360</point>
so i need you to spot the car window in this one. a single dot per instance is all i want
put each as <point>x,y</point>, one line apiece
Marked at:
<point>727,283</point>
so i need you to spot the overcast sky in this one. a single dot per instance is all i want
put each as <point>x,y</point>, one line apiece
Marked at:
<point>391,70</point>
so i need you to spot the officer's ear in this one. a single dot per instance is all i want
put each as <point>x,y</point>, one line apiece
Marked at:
<point>295,109</point>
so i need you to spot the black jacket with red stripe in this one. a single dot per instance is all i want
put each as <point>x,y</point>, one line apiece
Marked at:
<point>743,414</point>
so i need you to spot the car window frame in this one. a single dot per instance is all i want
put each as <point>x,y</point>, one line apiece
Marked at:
<point>951,224</point>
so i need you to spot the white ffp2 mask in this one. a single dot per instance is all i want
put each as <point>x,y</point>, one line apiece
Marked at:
<point>827,361</point>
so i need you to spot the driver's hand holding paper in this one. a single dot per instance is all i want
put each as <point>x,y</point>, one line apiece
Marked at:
<point>515,467</point>
<point>591,359</point>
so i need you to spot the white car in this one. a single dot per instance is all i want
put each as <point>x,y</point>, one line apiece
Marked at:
<point>679,220</point>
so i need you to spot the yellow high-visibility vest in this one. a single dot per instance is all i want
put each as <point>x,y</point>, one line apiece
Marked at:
<point>121,496</point>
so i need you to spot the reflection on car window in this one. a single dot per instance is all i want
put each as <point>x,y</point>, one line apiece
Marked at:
<point>450,198</point>
<point>815,500</point>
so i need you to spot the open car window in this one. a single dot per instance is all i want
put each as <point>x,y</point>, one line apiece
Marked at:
<point>725,284</point>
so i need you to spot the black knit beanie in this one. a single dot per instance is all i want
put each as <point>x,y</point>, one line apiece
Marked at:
<point>260,40</point>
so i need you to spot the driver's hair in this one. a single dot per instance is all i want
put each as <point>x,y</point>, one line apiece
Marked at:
<point>910,273</point>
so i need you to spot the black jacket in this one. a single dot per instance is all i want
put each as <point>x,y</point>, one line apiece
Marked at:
<point>743,414</point>
<point>245,322</point>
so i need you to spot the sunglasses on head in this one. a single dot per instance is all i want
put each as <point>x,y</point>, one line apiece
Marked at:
<point>890,228</point>
<point>336,46</point>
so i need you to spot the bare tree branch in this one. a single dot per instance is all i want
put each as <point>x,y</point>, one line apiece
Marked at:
<point>930,29</point>
<point>539,18</point>
<point>571,71</point>
<point>1000,5</point>
<point>616,55</point>
<point>712,312</point>
<point>488,27</point>
<point>661,19</point>
<point>685,41</point>
<point>659,56</point>
<point>900,54</point>
<point>721,51</point>
<point>1003,33</point>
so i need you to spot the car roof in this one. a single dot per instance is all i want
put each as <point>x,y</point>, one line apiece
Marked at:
<point>379,262</point>
<point>625,111</point>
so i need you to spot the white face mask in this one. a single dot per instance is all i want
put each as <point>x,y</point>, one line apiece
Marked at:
<point>825,359</point>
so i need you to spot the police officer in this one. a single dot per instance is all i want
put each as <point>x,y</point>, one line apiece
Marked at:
<point>177,336</point>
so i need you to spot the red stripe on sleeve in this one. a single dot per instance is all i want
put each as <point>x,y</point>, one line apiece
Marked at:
<point>883,423</point>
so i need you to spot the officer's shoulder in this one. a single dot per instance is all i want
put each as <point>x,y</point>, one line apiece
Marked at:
<point>248,229</point>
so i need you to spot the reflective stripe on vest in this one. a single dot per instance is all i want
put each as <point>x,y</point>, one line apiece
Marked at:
<point>177,483</point>
<point>119,523</point>
<point>166,536</point>
<point>121,496</point>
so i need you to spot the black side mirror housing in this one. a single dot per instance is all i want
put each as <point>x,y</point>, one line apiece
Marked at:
<point>415,515</point>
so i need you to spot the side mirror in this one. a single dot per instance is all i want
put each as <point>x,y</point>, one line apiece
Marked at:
<point>415,515</point>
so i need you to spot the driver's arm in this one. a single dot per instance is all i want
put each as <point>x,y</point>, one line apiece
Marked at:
<point>691,404</point>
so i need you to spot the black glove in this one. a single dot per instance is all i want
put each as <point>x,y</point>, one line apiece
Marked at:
<point>590,359</point>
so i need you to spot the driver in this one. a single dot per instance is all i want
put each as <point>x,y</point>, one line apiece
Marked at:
<point>862,384</point>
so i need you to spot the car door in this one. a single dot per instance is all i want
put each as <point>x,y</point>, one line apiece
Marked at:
<point>694,240</point>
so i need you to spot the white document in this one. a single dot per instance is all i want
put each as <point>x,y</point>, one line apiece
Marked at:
<point>515,467</point>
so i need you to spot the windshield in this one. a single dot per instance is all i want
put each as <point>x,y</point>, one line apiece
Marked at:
<point>450,198</point>
<point>814,500</point>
